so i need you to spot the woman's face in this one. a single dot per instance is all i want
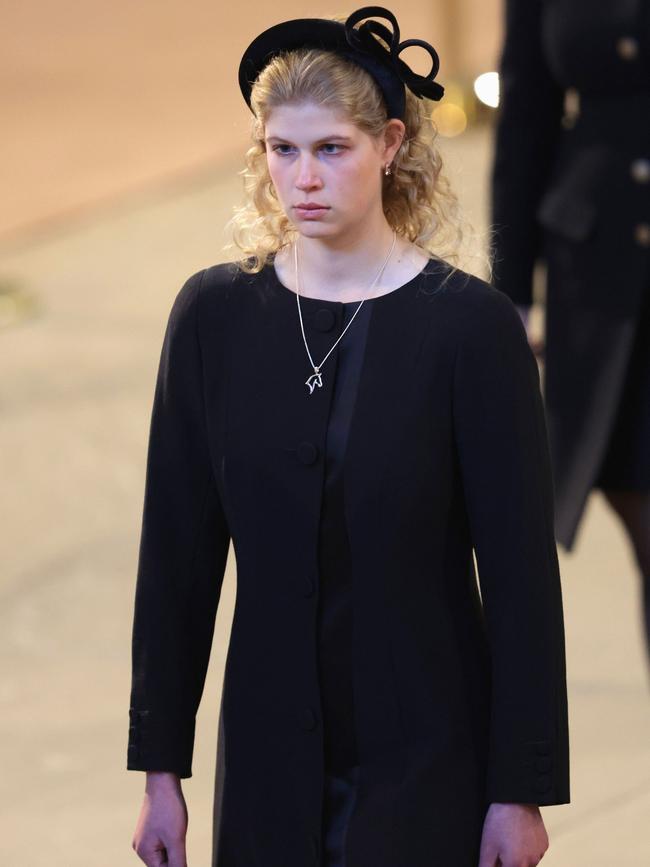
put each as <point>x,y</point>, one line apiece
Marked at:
<point>315,156</point>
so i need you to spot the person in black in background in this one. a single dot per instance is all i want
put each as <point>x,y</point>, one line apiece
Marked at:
<point>571,187</point>
<point>360,418</point>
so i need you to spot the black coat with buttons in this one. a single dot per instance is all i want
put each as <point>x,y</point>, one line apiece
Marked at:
<point>571,191</point>
<point>459,687</point>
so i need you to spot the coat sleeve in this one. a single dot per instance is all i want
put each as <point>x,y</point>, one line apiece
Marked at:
<point>528,124</point>
<point>503,454</point>
<point>184,545</point>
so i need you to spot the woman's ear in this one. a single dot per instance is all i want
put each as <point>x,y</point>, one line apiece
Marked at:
<point>394,133</point>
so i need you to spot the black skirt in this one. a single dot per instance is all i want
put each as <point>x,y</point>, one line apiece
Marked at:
<point>626,463</point>
<point>338,802</point>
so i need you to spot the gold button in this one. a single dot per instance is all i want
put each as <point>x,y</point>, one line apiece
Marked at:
<point>642,234</point>
<point>627,47</point>
<point>640,170</point>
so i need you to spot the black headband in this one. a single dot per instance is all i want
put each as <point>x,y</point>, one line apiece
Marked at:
<point>357,44</point>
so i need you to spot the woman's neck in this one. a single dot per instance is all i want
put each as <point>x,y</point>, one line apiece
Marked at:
<point>347,279</point>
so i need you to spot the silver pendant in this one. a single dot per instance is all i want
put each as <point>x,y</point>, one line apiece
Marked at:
<point>314,380</point>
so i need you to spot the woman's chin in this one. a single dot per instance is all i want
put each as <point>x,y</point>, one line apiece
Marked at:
<point>318,229</point>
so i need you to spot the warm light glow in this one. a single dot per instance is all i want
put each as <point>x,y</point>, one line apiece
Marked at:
<point>449,119</point>
<point>486,88</point>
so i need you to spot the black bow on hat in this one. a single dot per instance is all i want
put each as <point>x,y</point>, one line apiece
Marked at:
<point>362,39</point>
<point>357,44</point>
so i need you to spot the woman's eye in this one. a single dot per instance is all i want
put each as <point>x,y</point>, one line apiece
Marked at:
<point>327,145</point>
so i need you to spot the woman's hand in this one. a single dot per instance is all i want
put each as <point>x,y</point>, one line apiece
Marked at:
<point>513,836</point>
<point>159,836</point>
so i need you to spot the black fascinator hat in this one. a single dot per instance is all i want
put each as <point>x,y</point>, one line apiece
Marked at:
<point>357,44</point>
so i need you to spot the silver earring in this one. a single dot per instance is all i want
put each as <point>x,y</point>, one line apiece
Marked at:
<point>387,170</point>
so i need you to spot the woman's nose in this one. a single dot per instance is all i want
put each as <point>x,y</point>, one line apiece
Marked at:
<point>307,172</point>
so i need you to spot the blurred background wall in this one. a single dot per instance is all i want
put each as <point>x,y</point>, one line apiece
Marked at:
<point>123,130</point>
<point>102,99</point>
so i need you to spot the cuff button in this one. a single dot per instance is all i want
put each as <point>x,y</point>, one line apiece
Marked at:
<point>543,783</point>
<point>308,719</point>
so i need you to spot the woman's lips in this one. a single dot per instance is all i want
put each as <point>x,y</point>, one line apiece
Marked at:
<point>310,213</point>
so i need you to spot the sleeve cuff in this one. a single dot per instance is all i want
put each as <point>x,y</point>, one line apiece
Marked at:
<point>528,773</point>
<point>157,743</point>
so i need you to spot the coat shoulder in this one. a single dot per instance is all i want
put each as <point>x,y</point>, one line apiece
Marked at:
<point>226,279</point>
<point>477,310</point>
<point>183,312</point>
<point>200,301</point>
<point>219,278</point>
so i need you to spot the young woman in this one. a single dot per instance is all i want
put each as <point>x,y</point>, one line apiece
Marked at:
<point>359,417</point>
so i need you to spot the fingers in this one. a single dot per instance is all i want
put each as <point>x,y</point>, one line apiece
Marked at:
<point>176,854</point>
<point>495,861</point>
<point>159,838</point>
<point>156,857</point>
<point>489,858</point>
<point>172,855</point>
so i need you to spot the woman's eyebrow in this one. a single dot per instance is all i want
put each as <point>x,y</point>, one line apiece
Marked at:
<point>326,138</point>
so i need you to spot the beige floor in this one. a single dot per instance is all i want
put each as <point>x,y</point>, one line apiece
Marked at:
<point>76,384</point>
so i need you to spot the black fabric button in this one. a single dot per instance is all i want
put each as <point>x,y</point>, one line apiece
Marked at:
<point>137,716</point>
<point>642,234</point>
<point>542,748</point>
<point>627,47</point>
<point>543,783</point>
<point>324,320</point>
<point>307,452</point>
<point>303,585</point>
<point>315,846</point>
<point>543,763</point>
<point>308,719</point>
<point>640,170</point>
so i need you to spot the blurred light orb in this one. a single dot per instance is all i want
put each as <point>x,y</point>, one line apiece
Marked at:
<point>486,88</point>
<point>449,119</point>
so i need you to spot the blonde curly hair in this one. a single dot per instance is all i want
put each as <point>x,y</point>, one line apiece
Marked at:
<point>418,200</point>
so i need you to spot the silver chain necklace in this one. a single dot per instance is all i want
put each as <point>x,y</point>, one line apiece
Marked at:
<point>316,378</point>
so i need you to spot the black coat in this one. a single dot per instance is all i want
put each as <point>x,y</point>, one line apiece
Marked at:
<point>572,190</point>
<point>456,705</point>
